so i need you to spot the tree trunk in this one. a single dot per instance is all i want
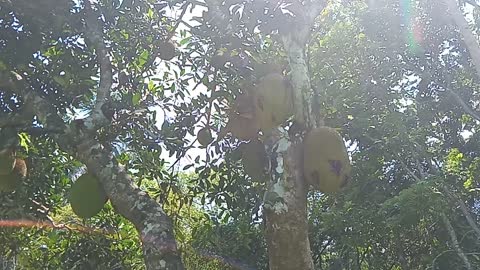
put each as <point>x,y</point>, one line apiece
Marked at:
<point>286,217</point>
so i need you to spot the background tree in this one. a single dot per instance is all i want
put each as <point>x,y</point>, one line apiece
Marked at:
<point>93,84</point>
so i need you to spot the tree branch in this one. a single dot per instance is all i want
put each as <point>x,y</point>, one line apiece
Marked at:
<point>294,45</point>
<point>154,226</point>
<point>456,245</point>
<point>464,209</point>
<point>179,20</point>
<point>465,32</point>
<point>463,104</point>
<point>94,33</point>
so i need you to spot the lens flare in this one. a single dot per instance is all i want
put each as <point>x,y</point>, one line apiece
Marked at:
<point>413,25</point>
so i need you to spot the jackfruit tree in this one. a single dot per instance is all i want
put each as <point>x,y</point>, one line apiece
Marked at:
<point>315,134</point>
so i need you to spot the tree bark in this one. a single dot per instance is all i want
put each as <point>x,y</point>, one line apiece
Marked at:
<point>286,212</point>
<point>285,201</point>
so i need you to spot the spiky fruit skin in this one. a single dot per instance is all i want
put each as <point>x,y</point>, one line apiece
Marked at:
<point>7,163</point>
<point>273,102</point>
<point>166,50</point>
<point>326,165</point>
<point>11,181</point>
<point>204,136</point>
<point>87,196</point>
<point>254,160</point>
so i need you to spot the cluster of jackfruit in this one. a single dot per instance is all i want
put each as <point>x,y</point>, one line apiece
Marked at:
<point>326,165</point>
<point>87,197</point>
<point>267,105</point>
<point>261,107</point>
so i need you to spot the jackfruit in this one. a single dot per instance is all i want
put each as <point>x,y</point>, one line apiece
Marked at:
<point>204,136</point>
<point>326,165</point>
<point>7,163</point>
<point>218,61</point>
<point>12,180</point>
<point>263,69</point>
<point>166,50</point>
<point>255,160</point>
<point>242,128</point>
<point>273,101</point>
<point>87,196</point>
<point>244,105</point>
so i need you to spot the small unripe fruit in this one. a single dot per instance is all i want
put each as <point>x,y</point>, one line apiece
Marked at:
<point>166,50</point>
<point>204,136</point>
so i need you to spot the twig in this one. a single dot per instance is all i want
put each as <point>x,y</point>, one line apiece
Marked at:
<point>464,105</point>
<point>179,20</point>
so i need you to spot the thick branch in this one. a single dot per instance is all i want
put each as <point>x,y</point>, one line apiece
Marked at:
<point>464,105</point>
<point>155,228</point>
<point>464,209</point>
<point>469,217</point>
<point>456,245</point>
<point>294,44</point>
<point>94,33</point>
<point>286,198</point>
<point>466,33</point>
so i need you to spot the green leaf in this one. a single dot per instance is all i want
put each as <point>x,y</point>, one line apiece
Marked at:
<point>24,139</point>
<point>185,40</point>
<point>136,99</point>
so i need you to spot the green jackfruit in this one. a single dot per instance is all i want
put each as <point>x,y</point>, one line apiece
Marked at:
<point>166,50</point>
<point>255,160</point>
<point>12,180</point>
<point>204,136</point>
<point>273,101</point>
<point>7,163</point>
<point>87,196</point>
<point>326,165</point>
